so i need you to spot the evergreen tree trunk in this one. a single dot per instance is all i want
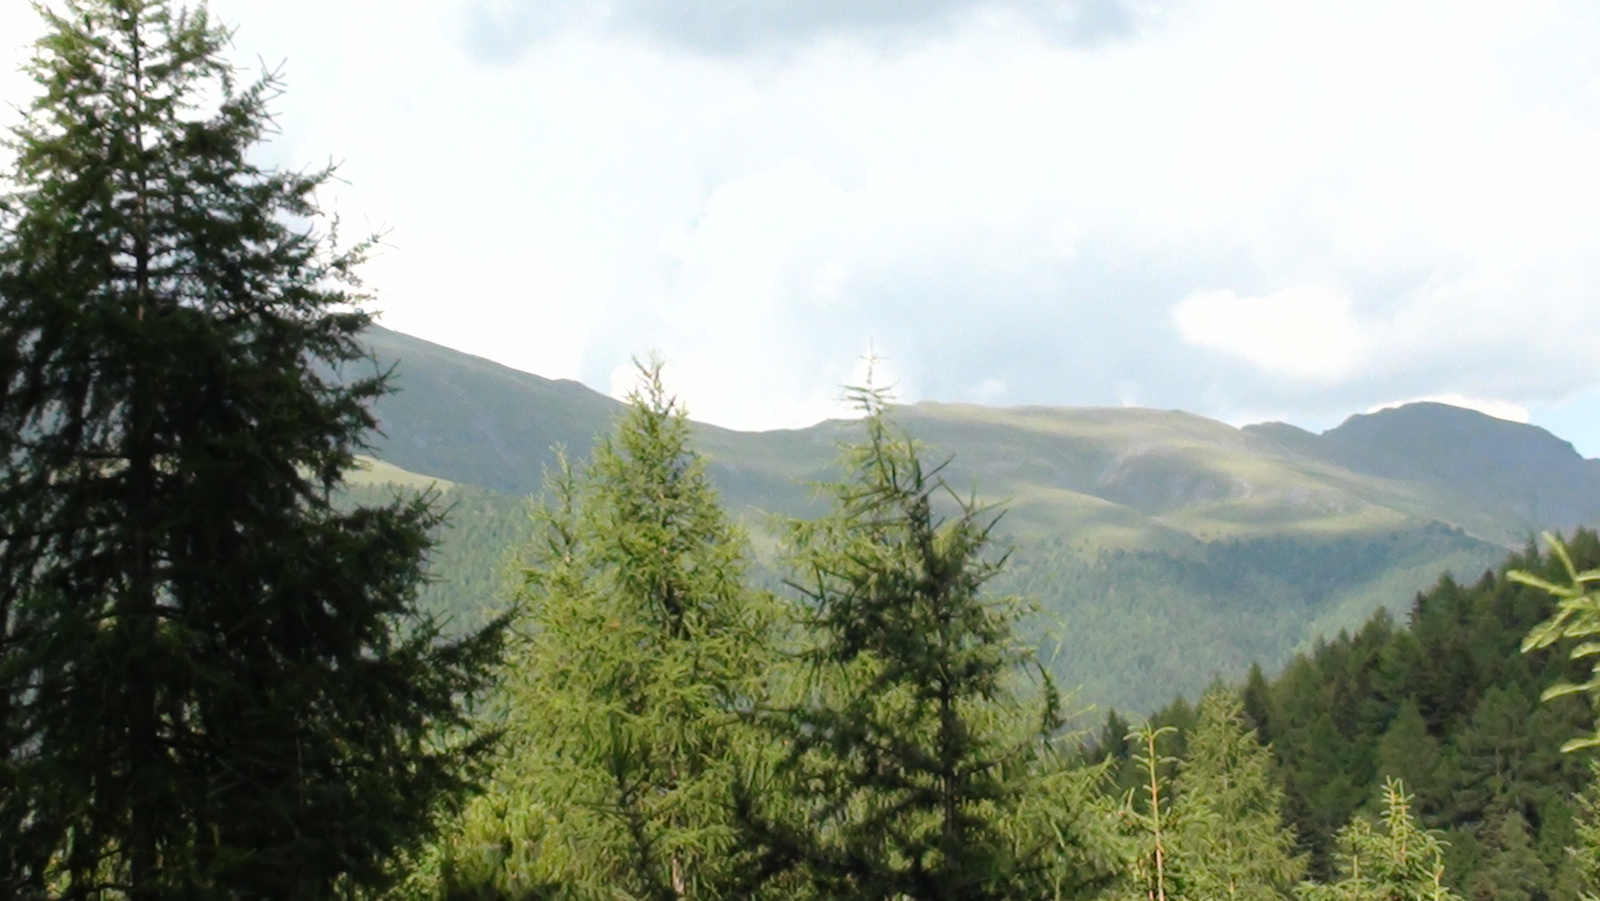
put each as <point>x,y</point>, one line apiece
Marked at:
<point>140,614</point>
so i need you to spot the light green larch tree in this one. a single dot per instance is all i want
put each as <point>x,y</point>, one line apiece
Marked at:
<point>641,652</point>
<point>1228,830</point>
<point>1147,822</point>
<point>1394,859</point>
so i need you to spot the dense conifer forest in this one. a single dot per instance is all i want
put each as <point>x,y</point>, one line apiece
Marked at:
<point>1448,703</point>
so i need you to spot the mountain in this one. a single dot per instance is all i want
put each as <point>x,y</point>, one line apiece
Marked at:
<point>1163,547</point>
<point>1505,481</point>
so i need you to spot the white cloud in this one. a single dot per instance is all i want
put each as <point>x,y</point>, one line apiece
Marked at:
<point>987,391</point>
<point>983,199</point>
<point>502,29</point>
<point>1302,332</point>
<point>18,26</point>
<point>699,382</point>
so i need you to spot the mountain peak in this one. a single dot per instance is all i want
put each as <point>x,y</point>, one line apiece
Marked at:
<point>1534,478</point>
<point>1453,433</point>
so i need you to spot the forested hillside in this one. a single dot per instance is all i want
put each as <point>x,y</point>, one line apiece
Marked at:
<point>471,570</point>
<point>1445,700</point>
<point>1127,621</point>
<point>1107,624</point>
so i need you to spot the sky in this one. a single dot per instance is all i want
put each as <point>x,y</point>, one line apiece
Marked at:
<point>1248,209</point>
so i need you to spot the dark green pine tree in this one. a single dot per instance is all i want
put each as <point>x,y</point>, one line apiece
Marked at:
<point>1257,699</point>
<point>1408,752</point>
<point>917,770</point>
<point>1510,868</point>
<point>213,683</point>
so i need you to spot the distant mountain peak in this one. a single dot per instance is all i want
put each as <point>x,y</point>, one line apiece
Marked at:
<point>1456,429</point>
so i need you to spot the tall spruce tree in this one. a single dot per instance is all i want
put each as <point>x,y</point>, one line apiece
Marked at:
<point>917,770</point>
<point>642,650</point>
<point>213,683</point>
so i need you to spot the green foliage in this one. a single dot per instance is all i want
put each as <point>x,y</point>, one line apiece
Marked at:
<point>1394,859</point>
<point>1584,853</point>
<point>1135,628</point>
<point>1116,748</point>
<point>1229,834</point>
<point>1448,702</point>
<point>916,770</point>
<point>1409,753</point>
<point>1206,823</point>
<point>640,652</point>
<point>1146,818</point>
<point>1577,616</point>
<point>472,566</point>
<point>1512,870</point>
<point>213,682</point>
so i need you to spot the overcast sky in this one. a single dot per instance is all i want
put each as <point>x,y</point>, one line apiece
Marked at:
<point>1248,209</point>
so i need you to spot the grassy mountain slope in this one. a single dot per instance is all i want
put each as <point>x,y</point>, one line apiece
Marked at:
<point>465,419</point>
<point>1112,477</point>
<point>1163,547</point>
<point>1148,476</point>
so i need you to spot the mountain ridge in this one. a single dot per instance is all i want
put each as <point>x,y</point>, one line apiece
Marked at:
<point>472,421</point>
<point>1173,547</point>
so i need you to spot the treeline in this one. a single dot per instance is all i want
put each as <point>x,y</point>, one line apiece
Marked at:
<point>1448,703</point>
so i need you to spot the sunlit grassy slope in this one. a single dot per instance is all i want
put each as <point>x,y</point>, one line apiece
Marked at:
<point>372,471</point>
<point>1163,547</point>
